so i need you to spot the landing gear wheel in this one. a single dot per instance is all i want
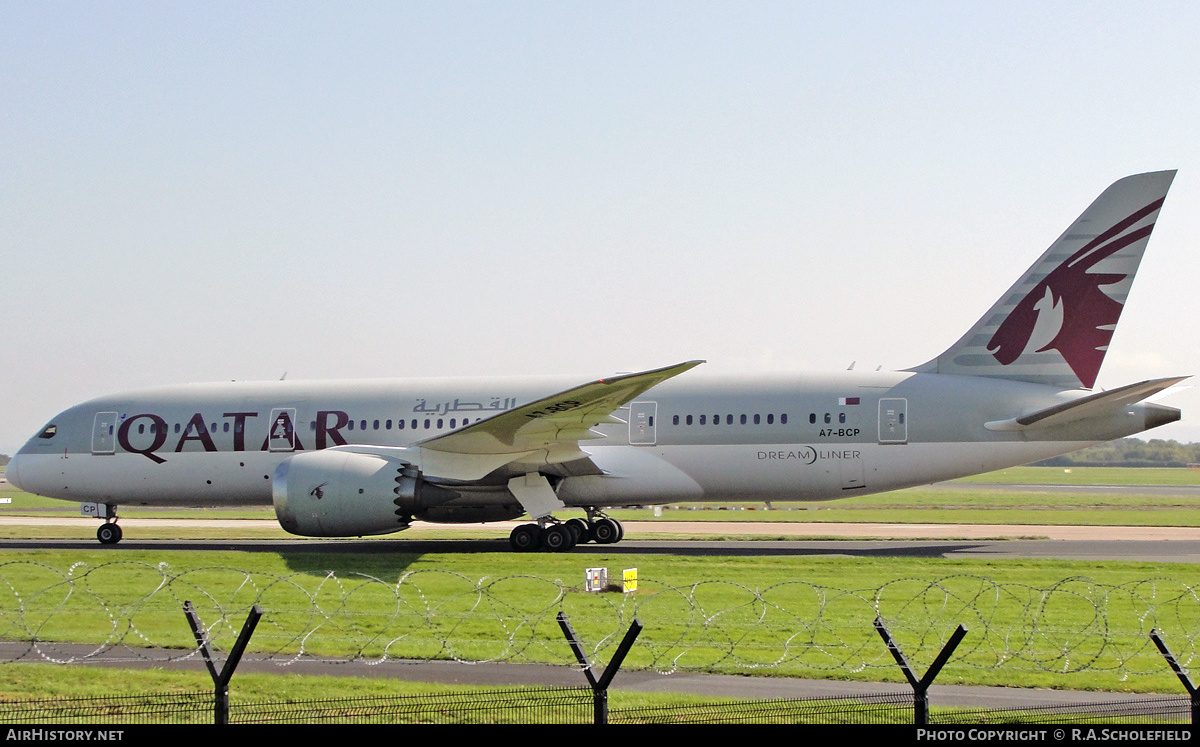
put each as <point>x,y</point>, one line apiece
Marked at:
<point>558,538</point>
<point>108,533</point>
<point>525,538</point>
<point>606,532</point>
<point>579,529</point>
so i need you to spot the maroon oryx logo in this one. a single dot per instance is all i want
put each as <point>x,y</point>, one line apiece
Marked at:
<point>1067,311</point>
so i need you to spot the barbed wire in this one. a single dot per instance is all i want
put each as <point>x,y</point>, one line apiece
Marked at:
<point>1076,625</point>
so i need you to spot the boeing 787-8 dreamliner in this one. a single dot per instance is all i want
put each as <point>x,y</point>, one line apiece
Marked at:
<point>353,458</point>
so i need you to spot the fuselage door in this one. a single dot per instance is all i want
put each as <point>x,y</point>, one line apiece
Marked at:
<point>282,436</point>
<point>893,420</point>
<point>641,423</point>
<point>104,429</point>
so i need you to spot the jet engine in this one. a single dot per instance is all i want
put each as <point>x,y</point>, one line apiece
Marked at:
<point>335,493</point>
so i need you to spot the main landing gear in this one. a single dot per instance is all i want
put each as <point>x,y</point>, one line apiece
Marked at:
<point>561,537</point>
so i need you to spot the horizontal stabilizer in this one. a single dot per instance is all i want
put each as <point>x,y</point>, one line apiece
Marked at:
<point>1086,407</point>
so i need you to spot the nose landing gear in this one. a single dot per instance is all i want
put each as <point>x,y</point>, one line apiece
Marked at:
<point>109,533</point>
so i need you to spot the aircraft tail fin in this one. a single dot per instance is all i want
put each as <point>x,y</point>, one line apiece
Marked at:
<point>1054,325</point>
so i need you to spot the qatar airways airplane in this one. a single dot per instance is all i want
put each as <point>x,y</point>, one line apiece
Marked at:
<point>353,458</point>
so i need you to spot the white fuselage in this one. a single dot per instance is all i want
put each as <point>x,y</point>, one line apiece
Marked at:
<point>696,438</point>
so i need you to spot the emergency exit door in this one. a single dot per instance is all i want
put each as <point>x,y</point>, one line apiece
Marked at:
<point>893,420</point>
<point>641,423</point>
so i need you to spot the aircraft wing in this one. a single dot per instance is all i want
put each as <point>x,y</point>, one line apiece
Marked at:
<point>547,431</point>
<point>1086,407</point>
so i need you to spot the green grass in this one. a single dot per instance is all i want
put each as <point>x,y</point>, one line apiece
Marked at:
<point>1090,476</point>
<point>768,615</point>
<point>516,614</point>
<point>959,502</point>
<point>29,681</point>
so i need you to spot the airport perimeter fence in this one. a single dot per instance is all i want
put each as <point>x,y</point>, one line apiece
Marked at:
<point>578,705</point>
<point>1173,709</point>
<point>151,708</point>
<point>1075,626</point>
<point>567,706</point>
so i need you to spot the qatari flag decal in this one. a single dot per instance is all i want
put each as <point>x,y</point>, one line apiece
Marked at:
<point>847,401</point>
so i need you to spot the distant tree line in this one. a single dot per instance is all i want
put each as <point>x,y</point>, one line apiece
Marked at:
<point>4,459</point>
<point>1130,452</point>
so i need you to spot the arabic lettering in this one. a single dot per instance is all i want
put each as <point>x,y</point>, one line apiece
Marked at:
<point>495,404</point>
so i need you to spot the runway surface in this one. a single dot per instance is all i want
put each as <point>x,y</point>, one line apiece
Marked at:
<point>1147,544</point>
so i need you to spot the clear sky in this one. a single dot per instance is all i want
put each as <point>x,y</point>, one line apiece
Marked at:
<point>230,190</point>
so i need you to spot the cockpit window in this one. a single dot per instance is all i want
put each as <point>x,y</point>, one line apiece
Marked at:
<point>48,431</point>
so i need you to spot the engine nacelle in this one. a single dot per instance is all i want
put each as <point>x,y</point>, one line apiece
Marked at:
<point>335,493</point>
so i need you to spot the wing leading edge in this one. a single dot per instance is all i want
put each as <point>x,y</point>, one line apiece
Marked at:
<point>544,432</point>
<point>548,430</point>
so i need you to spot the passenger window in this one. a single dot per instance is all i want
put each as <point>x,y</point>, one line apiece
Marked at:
<point>771,418</point>
<point>703,420</point>
<point>743,418</point>
<point>675,420</point>
<point>783,419</point>
<point>841,417</point>
<point>757,418</point>
<point>689,419</point>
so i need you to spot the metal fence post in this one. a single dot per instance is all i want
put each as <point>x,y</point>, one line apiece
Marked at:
<point>1179,671</point>
<point>920,686</point>
<point>599,686</point>
<point>221,679</point>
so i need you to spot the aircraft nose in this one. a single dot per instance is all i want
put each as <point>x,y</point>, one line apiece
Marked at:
<point>11,472</point>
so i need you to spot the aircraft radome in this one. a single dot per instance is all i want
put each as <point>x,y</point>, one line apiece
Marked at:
<point>353,458</point>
